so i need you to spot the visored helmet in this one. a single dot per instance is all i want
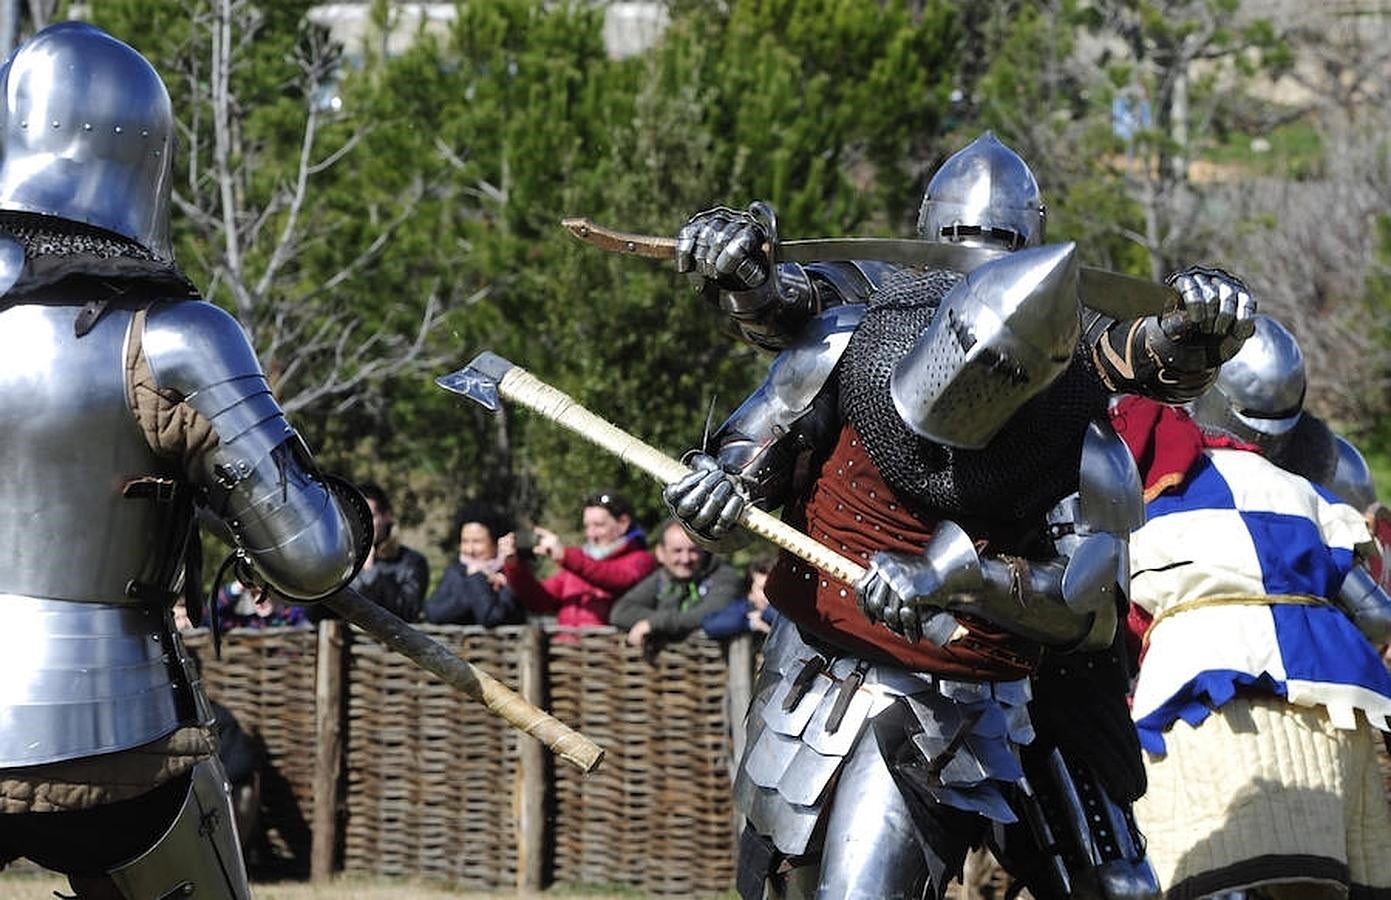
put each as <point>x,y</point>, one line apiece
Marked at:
<point>1259,393</point>
<point>984,195</point>
<point>88,135</point>
<point>1004,333</point>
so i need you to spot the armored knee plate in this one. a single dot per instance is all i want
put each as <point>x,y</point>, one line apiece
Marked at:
<point>199,856</point>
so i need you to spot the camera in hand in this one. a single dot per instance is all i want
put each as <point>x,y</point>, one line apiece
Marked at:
<point>526,543</point>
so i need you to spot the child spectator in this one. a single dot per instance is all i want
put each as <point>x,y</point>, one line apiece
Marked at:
<point>750,613</point>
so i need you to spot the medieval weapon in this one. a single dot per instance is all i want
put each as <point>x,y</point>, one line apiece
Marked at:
<point>458,673</point>
<point>490,376</point>
<point>1116,295</point>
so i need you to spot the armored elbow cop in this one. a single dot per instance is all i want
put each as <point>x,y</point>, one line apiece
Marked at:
<point>303,533</point>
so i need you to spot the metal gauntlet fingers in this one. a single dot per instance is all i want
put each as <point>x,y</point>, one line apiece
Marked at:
<point>708,501</point>
<point>723,246</point>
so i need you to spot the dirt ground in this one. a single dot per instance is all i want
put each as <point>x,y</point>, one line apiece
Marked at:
<point>28,886</point>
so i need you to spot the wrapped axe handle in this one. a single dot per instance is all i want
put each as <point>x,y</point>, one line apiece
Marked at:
<point>522,387</point>
<point>434,657</point>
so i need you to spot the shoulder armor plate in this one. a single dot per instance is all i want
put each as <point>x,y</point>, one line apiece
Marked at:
<point>1111,493</point>
<point>800,371</point>
<point>1352,477</point>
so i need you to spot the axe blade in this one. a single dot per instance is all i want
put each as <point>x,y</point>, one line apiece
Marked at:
<point>479,380</point>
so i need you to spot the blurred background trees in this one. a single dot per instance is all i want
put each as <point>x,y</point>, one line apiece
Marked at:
<point>379,211</point>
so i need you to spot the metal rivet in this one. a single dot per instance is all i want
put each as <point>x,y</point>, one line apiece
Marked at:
<point>55,123</point>
<point>86,126</point>
<point>119,129</point>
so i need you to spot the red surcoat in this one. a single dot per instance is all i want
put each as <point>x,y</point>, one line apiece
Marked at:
<point>851,509</point>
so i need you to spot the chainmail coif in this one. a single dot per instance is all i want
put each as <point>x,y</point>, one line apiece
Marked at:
<point>1029,466</point>
<point>44,236</point>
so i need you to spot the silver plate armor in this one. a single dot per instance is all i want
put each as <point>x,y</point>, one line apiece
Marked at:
<point>72,444</point>
<point>795,379</point>
<point>75,548</point>
<point>79,148</point>
<point>983,195</point>
<point>1352,477</point>
<point>1001,336</point>
<point>808,756</point>
<point>56,704</point>
<point>1367,604</point>
<point>258,479</point>
<point>1069,601</point>
<point>1259,393</point>
<point>199,856</point>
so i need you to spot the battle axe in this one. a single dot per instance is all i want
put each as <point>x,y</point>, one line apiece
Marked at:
<point>490,377</point>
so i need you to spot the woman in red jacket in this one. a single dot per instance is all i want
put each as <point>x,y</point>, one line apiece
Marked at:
<point>589,577</point>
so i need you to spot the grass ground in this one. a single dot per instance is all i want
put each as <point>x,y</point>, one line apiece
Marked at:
<point>31,886</point>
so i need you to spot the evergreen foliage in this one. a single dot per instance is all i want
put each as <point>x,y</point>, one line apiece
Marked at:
<point>448,167</point>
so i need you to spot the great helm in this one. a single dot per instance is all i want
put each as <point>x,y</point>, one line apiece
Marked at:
<point>983,195</point>
<point>88,135</point>
<point>1259,393</point>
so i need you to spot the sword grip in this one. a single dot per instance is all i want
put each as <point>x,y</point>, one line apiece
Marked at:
<point>436,658</point>
<point>520,386</point>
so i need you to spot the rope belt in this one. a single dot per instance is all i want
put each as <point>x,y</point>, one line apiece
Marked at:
<point>1184,606</point>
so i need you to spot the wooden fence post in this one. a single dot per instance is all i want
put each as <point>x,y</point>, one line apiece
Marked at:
<point>530,797</point>
<point>328,760</point>
<point>737,699</point>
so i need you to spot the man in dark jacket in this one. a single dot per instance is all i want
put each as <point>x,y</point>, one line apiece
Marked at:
<point>669,604</point>
<point>395,576</point>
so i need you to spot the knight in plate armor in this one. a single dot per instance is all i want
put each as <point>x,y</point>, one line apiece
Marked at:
<point>1261,699</point>
<point>950,431</point>
<point>127,403</point>
<point>1258,398</point>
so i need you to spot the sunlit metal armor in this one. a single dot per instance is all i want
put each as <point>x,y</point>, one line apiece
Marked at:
<point>124,402</point>
<point>1063,845</point>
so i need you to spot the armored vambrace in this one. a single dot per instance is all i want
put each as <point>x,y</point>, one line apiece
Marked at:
<point>259,478</point>
<point>754,454</point>
<point>1062,602</point>
<point>1364,600</point>
<point>1070,601</point>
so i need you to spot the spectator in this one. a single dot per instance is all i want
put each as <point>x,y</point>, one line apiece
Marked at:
<point>239,606</point>
<point>395,576</point>
<point>670,603</point>
<point>582,591</point>
<point>473,590</point>
<point>752,613</point>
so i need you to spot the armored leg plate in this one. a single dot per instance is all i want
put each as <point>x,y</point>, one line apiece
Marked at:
<point>199,856</point>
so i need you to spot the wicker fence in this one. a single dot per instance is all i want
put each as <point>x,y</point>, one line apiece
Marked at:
<point>430,785</point>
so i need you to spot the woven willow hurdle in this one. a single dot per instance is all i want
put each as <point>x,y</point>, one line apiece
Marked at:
<point>433,787</point>
<point>657,813</point>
